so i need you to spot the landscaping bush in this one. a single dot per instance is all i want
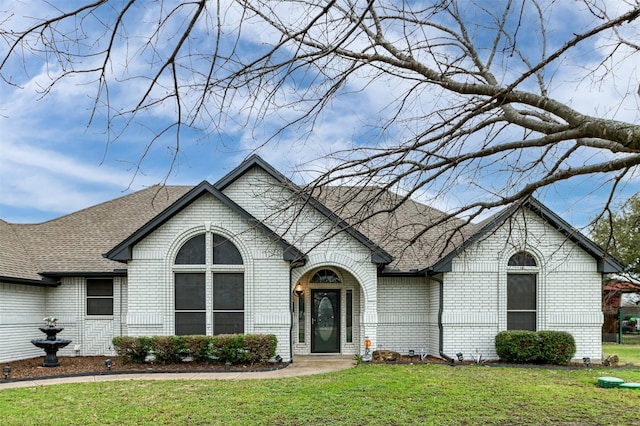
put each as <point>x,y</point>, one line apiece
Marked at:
<point>518,346</point>
<point>546,346</point>
<point>229,348</point>
<point>132,349</point>
<point>199,347</point>
<point>168,349</point>
<point>233,348</point>
<point>260,347</point>
<point>556,347</point>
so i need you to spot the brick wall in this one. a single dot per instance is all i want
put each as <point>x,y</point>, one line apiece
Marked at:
<point>403,313</point>
<point>19,325</point>
<point>568,289</point>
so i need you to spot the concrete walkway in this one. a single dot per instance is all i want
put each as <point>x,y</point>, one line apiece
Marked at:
<point>302,366</point>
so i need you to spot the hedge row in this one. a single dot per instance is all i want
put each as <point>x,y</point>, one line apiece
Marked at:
<point>544,347</point>
<point>233,348</point>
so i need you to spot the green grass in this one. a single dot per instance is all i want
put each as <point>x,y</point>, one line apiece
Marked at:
<point>366,395</point>
<point>633,339</point>
<point>628,354</point>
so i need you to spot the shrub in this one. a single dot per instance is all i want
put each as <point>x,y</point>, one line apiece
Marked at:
<point>260,347</point>
<point>199,348</point>
<point>519,346</point>
<point>546,346</point>
<point>556,347</point>
<point>233,348</point>
<point>168,349</point>
<point>229,348</point>
<point>132,349</point>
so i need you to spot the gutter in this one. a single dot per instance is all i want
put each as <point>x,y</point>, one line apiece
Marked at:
<point>113,273</point>
<point>45,282</point>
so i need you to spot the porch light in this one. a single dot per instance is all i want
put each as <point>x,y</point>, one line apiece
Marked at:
<point>460,356</point>
<point>6,370</point>
<point>108,363</point>
<point>298,290</point>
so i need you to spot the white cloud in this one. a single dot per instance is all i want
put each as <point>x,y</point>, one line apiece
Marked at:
<point>49,138</point>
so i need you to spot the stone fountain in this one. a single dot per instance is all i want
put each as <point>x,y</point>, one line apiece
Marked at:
<point>51,344</point>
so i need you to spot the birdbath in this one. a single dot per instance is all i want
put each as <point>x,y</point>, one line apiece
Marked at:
<point>51,345</point>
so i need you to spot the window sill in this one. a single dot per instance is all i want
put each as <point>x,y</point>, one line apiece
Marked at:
<point>99,317</point>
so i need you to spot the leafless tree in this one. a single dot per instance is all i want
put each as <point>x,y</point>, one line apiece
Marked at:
<point>472,87</point>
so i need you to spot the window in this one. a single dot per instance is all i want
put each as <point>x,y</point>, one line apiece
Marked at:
<point>325,276</point>
<point>301,321</point>
<point>349,316</point>
<point>522,259</point>
<point>99,296</point>
<point>521,294</point>
<point>521,302</point>
<point>192,252</point>
<point>228,303</point>
<point>224,252</point>
<point>190,302</point>
<point>199,282</point>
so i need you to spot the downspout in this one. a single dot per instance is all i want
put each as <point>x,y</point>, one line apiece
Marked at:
<point>440,310</point>
<point>122,301</point>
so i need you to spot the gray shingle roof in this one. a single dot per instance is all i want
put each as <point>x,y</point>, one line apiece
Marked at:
<point>14,260</point>
<point>75,243</point>
<point>397,225</point>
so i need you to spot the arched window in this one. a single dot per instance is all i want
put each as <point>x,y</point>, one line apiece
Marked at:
<point>225,286</point>
<point>522,258</point>
<point>325,276</point>
<point>224,252</point>
<point>192,252</point>
<point>521,294</point>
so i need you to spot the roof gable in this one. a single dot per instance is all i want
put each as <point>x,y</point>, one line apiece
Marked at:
<point>378,255</point>
<point>122,252</point>
<point>606,264</point>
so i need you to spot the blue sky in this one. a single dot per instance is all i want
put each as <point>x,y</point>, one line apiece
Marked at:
<point>52,162</point>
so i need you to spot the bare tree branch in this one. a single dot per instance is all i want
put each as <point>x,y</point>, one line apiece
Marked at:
<point>472,86</point>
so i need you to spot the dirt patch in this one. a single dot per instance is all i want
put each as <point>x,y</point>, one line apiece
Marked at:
<point>85,365</point>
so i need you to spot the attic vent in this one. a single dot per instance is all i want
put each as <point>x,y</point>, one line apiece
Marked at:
<point>522,259</point>
<point>325,276</point>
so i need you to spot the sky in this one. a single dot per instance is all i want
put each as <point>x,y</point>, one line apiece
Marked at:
<point>56,156</point>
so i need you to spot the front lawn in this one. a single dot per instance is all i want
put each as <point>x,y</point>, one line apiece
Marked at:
<point>366,395</point>
<point>628,354</point>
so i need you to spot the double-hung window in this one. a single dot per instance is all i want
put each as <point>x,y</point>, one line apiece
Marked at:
<point>99,296</point>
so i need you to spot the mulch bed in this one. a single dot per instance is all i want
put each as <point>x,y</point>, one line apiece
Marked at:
<point>94,365</point>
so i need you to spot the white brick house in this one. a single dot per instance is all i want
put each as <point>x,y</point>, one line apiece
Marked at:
<point>252,254</point>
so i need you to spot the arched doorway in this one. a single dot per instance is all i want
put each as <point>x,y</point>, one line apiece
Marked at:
<point>327,312</point>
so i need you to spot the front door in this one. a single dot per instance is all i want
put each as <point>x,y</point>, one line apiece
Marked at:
<point>325,321</point>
